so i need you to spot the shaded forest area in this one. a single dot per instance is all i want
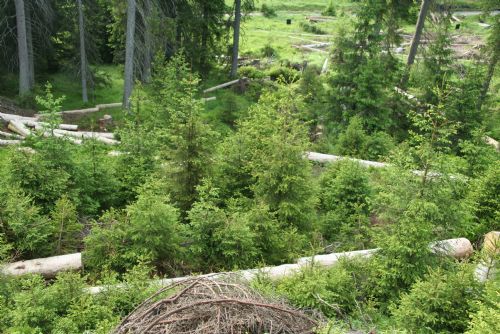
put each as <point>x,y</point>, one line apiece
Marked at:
<point>357,125</point>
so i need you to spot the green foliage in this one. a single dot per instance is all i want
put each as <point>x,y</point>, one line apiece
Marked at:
<point>483,199</point>
<point>338,292</point>
<point>191,140</point>
<point>52,106</point>
<point>67,228</point>
<point>24,230</point>
<point>277,141</point>
<point>355,142</point>
<point>284,74</point>
<point>149,229</point>
<point>250,72</point>
<point>30,305</point>
<point>405,255</point>
<point>330,10</point>
<point>441,302</point>
<point>240,236</point>
<point>486,319</point>
<point>312,28</point>
<point>268,11</point>
<point>345,200</point>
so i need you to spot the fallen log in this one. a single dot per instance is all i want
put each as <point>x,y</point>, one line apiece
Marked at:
<point>277,272</point>
<point>19,128</point>
<point>328,158</point>
<point>487,267</point>
<point>227,84</point>
<point>95,109</point>
<point>324,69</point>
<point>104,137</point>
<point>320,157</point>
<point>47,267</point>
<point>308,48</point>
<point>10,135</point>
<point>9,142</point>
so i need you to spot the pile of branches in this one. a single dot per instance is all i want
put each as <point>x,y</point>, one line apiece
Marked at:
<point>209,306</point>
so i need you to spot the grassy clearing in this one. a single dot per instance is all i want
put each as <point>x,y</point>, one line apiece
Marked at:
<point>69,86</point>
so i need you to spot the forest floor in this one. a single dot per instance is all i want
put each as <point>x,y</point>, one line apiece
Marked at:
<point>260,35</point>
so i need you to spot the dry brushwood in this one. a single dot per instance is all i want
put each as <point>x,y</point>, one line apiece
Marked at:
<point>202,305</point>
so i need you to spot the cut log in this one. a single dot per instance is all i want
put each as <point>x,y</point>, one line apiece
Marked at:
<point>19,128</point>
<point>319,157</point>
<point>208,99</point>
<point>47,267</point>
<point>324,69</point>
<point>487,267</point>
<point>277,272</point>
<point>492,142</point>
<point>227,84</point>
<point>10,135</point>
<point>100,136</point>
<point>308,48</point>
<point>9,142</point>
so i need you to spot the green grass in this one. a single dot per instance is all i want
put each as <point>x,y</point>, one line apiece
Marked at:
<point>259,31</point>
<point>69,86</point>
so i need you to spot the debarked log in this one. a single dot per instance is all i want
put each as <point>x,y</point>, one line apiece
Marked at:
<point>47,267</point>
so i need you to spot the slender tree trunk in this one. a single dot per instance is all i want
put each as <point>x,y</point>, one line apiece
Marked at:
<point>31,54</point>
<point>148,52</point>
<point>22,46</point>
<point>204,42</point>
<point>424,8</point>
<point>129,53</point>
<point>83,56</point>
<point>236,37</point>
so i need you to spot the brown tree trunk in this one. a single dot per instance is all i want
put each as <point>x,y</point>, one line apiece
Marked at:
<point>424,8</point>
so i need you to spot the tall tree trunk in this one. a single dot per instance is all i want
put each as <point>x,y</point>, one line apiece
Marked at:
<point>148,52</point>
<point>424,8</point>
<point>204,41</point>
<point>236,37</point>
<point>493,48</point>
<point>83,56</point>
<point>129,53</point>
<point>22,47</point>
<point>29,41</point>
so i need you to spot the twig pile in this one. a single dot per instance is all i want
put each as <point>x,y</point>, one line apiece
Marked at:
<point>210,306</point>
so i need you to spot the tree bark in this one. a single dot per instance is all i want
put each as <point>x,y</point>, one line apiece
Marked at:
<point>22,47</point>
<point>129,53</point>
<point>31,54</point>
<point>236,37</point>
<point>83,55</point>
<point>148,52</point>
<point>424,8</point>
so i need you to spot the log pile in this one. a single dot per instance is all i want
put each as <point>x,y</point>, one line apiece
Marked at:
<point>23,126</point>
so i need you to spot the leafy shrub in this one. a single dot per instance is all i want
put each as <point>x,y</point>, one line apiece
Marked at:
<point>486,319</point>
<point>337,291</point>
<point>31,305</point>
<point>441,302</point>
<point>148,229</point>
<point>483,199</point>
<point>268,11</point>
<point>312,28</point>
<point>355,142</point>
<point>268,51</point>
<point>329,10</point>
<point>67,228</point>
<point>24,229</point>
<point>251,72</point>
<point>345,197</point>
<point>285,74</point>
